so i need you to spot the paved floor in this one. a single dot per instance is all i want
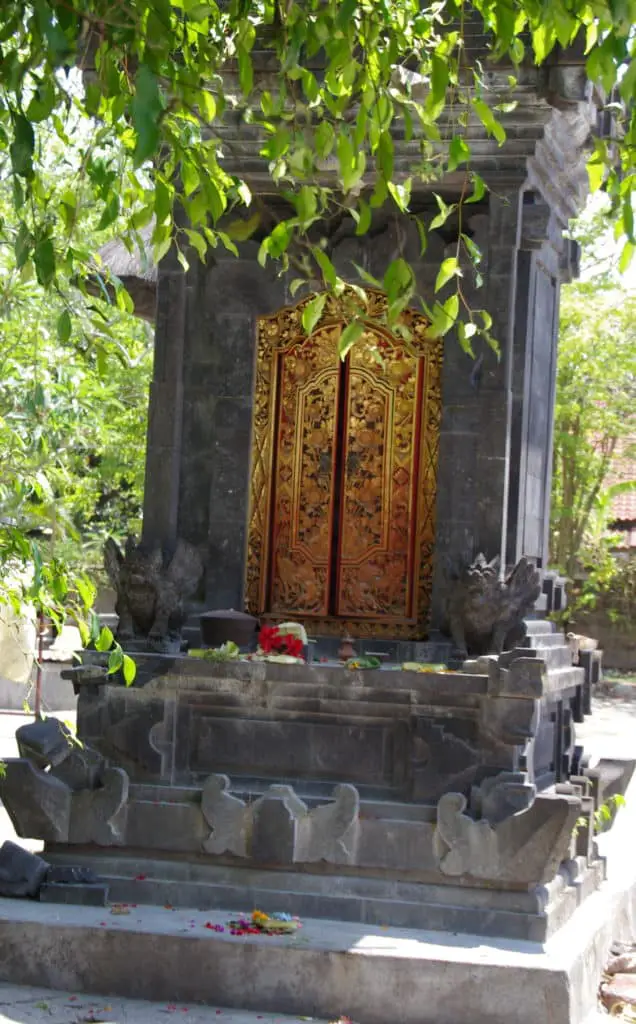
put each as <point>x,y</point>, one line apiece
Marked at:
<point>611,730</point>
<point>39,1006</point>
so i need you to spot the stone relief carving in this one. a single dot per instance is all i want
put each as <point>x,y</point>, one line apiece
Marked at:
<point>63,793</point>
<point>440,761</point>
<point>227,816</point>
<point>152,591</point>
<point>502,795</point>
<point>279,827</point>
<point>524,848</point>
<point>485,612</point>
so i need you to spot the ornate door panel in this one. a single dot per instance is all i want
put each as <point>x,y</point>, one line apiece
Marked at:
<point>377,541</point>
<point>303,471</point>
<point>341,529</point>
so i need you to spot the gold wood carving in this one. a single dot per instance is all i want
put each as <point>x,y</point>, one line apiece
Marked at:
<point>344,459</point>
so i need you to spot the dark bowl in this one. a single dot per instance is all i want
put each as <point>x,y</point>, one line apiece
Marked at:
<point>220,627</point>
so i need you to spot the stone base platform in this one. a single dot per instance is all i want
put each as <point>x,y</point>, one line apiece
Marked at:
<point>374,974</point>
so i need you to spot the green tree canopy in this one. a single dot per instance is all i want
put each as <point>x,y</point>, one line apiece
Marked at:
<point>74,375</point>
<point>596,396</point>
<point>310,84</point>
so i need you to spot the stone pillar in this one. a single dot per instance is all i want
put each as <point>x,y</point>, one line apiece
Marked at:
<point>219,364</point>
<point>200,424</point>
<point>495,389</point>
<point>163,452</point>
<point>534,384</point>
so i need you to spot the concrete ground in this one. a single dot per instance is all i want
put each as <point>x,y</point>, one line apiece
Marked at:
<point>610,732</point>
<point>20,1005</point>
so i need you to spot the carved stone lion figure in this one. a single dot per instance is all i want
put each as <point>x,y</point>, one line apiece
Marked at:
<point>151,590</point>
<point>485,612</point>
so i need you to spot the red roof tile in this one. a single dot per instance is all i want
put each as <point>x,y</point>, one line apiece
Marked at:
<point>623,468</point>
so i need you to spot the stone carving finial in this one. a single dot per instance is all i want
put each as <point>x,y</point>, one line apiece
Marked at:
<point>152,590</point>
<point>525,848</point>
<point>485,612</point>
<point>63,792</point>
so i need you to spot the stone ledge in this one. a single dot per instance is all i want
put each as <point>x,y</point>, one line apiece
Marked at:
<point>373,974</point>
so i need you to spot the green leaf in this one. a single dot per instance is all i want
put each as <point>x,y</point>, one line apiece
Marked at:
<point>22,147</point>
<point>627,254</point>
<point>129,670</point>
<point>627,217</point>
<point>225,240</point>
<point>352,163</point>
<point>398,281</point>
<point>489,121</point>
<point>64,328</point>
<point>279,239</point>
<point>324,139</point>
<point>349,337</point>
<point>473,250</point>
<point>401,194</point>
<point>364,275</point>
<point>595,173</point>
<point>601,65</point>
<point>449,268</point>
<point>384,156</point>
<point>240,230</point>
<point>189,177</point>
<point>364,218</point>
<point>42,103</point>
<point>44,261</point>
<point>436,100</point>
<point>443,215</point>
<point>115,660</point>
<point>23,245</point>
<point>326,266</point>
<point>86,591</point>
<point>246,71</point>
<point>105,639</point>
<point>197,242</point>
<point>146,108</point>
<point>84,632</point>
<point>306,204</point>
<point>465,332</point>
<point>486,319</point>
<point>421,229</point>
<point>313,311</point>
<point>543,40</point>
<point>443,317</point>
<point>346,11</point>
<point>110,213</point>
<point>459,152</point>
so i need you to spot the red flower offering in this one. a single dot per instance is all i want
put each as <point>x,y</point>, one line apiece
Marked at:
<point>272,641</point>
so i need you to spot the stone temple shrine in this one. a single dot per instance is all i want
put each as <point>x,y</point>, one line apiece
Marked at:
<point>355,498</point>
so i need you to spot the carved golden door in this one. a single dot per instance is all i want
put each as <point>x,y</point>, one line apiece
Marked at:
<point>341,529</point>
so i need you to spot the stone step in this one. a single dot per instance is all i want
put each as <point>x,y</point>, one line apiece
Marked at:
<point>534,626</point>
<point>555,657</point>
<point>565,679</point>
<point>541,640</point>
<point>374,975</point>
<point>388,901</point>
